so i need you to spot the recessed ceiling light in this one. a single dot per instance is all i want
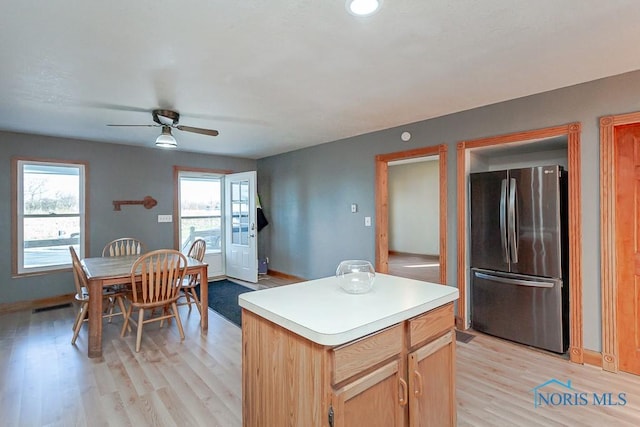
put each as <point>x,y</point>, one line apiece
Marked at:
<point>363,7</point>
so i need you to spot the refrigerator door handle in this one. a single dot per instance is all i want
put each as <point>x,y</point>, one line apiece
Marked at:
<point>519,282</point>
<point>503,221</point>
<point>513,240</point>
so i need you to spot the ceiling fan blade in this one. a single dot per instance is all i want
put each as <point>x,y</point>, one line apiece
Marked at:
<point>150,126</point>
<point>112,107</point>
<point>209,132</point>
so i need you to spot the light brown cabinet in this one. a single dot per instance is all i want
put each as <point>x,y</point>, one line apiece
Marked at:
<point>431,383</point>
<point>400,376</point>
<point>369,401</point>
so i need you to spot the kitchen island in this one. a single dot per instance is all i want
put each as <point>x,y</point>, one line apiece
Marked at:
<point>314,355</point>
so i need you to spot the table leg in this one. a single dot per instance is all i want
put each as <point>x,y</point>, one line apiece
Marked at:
<point>204,299</point>
<point>95,318</point>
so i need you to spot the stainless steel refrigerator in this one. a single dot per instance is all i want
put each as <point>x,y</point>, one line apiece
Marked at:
<point>519,256</point>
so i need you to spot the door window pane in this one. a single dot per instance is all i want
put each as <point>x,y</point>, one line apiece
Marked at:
<point>240,213</point>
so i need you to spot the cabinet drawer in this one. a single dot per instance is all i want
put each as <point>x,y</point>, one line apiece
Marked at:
<point>430,324</point>
<point>357,356</point>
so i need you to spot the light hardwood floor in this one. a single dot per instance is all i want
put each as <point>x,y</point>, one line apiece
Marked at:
<point>47,381</point>
<point>495,382</point>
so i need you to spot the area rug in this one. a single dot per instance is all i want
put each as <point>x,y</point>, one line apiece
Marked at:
<point>223,299</point>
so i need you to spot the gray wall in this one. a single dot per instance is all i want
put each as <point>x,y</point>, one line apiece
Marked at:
<point>115,172</point>
<point>306,194</point>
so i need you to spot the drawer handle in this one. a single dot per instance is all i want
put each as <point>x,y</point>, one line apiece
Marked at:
<point>418,390</point>
<point>404,398</point>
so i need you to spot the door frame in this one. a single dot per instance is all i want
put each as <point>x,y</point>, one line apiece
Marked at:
<point>608,283</point>
<point>382,203</point>
<point>572,131</point>
<point>176,198</point>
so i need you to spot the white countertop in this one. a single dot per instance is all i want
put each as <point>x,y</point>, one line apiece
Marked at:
<point>322,312</point>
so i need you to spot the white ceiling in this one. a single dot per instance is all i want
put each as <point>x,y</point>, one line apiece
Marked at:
<point>276,75</point>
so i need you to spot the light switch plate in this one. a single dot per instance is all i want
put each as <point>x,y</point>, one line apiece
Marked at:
<point>165,218</point>
<point>354,208</point>
<point>367,221</point>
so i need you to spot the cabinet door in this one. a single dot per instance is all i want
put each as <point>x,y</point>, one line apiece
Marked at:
<point>375,400</point>
<point>431,383</point>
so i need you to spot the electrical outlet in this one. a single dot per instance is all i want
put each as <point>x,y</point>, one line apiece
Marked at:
<point>367,221</point>
<point>165,218</point>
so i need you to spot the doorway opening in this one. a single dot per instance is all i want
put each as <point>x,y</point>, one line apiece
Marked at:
<point>414,210</point>
<point>199,214</point>
<point>394,254</point>
<point>219,206</point>
<point>465,148</point>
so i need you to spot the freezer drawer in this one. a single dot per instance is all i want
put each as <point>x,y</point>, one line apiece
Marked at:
<point>524,309</point>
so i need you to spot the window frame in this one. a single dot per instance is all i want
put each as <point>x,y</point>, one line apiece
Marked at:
<point>17,213</point>
<point>204,177</point>
<point>179,171</point>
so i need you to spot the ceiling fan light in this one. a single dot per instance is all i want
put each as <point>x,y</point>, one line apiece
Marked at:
<point>363,7</point>
<point>166,140</point>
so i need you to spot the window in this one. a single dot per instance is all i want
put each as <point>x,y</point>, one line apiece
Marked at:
<point>200,209</point>
<point>49,214</point>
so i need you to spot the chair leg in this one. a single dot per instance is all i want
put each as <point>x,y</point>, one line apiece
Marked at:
<point>165,311</point>
<point>192,291</point>
<point>120,302</point>
<point>126,321</point>
<point>139,337</point>
<point>123,308</point>
<point>110,308</point>
<point>174,307</point>
<point>78,316</point>
<point>185,292</point>
<point>84,311</point>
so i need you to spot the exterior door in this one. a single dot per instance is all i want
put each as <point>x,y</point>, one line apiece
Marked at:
<point>241,235</point>
<point>627,189</point>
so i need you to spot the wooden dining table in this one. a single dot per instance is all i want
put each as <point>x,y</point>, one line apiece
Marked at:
<point>108,271</point>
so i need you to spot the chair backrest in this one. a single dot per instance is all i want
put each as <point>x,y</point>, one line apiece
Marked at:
<point>162,273</point>
<point>79,277</point>
<point>197,249</point>
<point>123,246</point>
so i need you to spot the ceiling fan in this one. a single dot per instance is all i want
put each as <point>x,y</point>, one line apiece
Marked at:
<point>168,119</point>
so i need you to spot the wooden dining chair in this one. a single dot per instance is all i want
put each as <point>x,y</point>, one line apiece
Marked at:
<point>123,246</point>
<point>111,295</point>
<point>191,281</point>
<point>156,278</point>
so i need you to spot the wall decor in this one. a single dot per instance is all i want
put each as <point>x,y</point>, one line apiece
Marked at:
<point>148,202</point>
